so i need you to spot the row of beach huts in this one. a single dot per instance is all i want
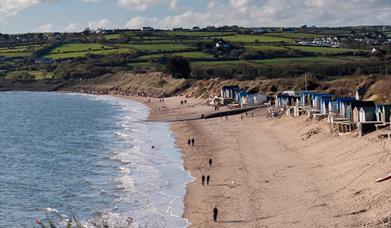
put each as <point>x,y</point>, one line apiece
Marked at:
<point>348,114</point>
<point>238,96</point>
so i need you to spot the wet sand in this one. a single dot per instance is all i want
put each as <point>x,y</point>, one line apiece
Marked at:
<point>288,172</point>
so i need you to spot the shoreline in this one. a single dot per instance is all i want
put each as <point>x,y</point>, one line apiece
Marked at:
<point>255,159</point>
<point>276,173</point>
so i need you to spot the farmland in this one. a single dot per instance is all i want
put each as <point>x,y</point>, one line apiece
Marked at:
<point>255,39</point>
<point>295,35</point>
<point>324,50</point>
<point>266,48</point>
<point>189,55</point>
<point>225,53</point>
<point>157,47</point>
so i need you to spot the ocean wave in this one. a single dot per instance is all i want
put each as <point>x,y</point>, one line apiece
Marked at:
<point>126,183</point>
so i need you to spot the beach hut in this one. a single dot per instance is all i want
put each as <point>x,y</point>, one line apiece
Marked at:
<point>342,103</point>
<point>229,92</point>
<point>333,107</point>
<point>367,114</point>
<point>259,99</point>
<point>383,113</point>
<point>317,99</point>
<point>283,100</point>
<point>305,97</point>
<point>240,94</point>
<point>353,108</point>
<point>252,99</point>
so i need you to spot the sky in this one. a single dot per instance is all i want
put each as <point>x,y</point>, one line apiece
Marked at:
<point>21,16</point>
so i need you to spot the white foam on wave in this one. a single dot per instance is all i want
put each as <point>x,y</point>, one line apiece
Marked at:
<point>126,182</point>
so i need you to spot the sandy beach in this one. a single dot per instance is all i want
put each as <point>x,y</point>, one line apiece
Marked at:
<point>287,172</point>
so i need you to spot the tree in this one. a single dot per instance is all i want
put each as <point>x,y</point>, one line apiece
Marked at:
<point>178,67</point>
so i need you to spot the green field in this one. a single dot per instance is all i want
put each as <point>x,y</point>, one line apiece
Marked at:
<point>323,50</point>
<point>218,63</point>
<point>157,47</point>
<point>294,35</point>
<point>19,51</point>
<point>265,48</point>
<point>188,55</point>
<point>39,75</point>
<point>79,47</point>
<point>301,60</point>
<point>111,36</point>
<point>200,34</point>
<point>255,38</point>
<point>388,34</point>
<point>16,54</point>
<point>84,53</point>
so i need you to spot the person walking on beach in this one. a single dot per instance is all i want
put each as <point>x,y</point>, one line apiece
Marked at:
<point>189,142</point>
<point>215,214</point>
<point>210,162</point>
<point>207,180</point>
<point>203,179</point>
<point>241,117</point>
<point>192,141</point>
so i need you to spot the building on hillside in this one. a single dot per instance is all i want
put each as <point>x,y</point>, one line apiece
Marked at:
<point>148,29</point>
<point>43,61</point>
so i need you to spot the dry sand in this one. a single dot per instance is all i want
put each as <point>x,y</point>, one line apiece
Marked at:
<point>288,172</point>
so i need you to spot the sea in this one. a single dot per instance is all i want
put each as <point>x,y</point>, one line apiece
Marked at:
<point>92,159</point>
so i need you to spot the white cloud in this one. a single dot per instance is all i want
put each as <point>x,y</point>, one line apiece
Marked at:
<point>140,5</point>
<point>104,23</point>
<point>12,7</point>
<point>138,22</point>
<point>277,13</point>
<point>45,28</point>
<point>173,5</point>
<point>73,27</point>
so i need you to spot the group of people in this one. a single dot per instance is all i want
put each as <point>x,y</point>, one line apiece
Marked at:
<point>207,178</point>
<point>161,100</point>
<point>183,102</point>
<point>252,115</point>
<point>191,142</point>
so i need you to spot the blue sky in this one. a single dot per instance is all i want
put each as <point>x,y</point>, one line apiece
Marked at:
<point>19,16</point>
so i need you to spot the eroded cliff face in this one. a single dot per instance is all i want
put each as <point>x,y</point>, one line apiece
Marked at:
<point>162,85</point>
